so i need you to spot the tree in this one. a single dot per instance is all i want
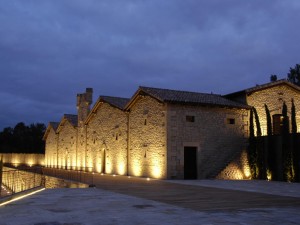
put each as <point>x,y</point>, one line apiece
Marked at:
<point>285,122</point>
<point>295,150</point>
<point>273,78</point>
<point>258,129</point>
<point>286,148</point>
<point>260,158</point>
<point>252,147</point>
<point>293,115</point>
<point>271,154</point>
<point>23,139</point>
<point>294,75</point>
<point>269,121</point>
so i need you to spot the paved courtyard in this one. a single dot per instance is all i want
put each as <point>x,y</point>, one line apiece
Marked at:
<point>122,200</point>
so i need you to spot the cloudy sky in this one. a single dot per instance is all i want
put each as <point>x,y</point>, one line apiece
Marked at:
<point>50,50</point>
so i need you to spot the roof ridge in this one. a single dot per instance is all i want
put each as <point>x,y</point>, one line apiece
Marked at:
<point>167,89</point>
<point>104,96</point>
<point>263,86</point>
<point>67,114</point>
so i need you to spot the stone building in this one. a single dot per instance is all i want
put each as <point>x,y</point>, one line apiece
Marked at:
<point>106,136</point>
<point>164,134</point>
<point>272,94</point>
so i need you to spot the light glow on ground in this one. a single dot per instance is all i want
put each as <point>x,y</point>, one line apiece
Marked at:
<point>21,197</point>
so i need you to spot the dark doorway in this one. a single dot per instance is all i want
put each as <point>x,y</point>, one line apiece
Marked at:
<point>190,162</point>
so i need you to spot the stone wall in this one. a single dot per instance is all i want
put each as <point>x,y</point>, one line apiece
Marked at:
<point>237,169</point>
<point>67,146</point>
<point>211,132</point>
<point>54,182</point>
<point>147,138</point>
<point>84,102</point>
<point>274,97</point>
<point>107,140</point>
<point>23,159</point>
<point>81,157</point>
<point>51,149</point>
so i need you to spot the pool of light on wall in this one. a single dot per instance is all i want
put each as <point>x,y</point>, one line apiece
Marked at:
<point>121,168</point>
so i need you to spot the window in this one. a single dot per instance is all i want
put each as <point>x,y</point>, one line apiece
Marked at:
<point>230,121</point>
<point>190,119</point>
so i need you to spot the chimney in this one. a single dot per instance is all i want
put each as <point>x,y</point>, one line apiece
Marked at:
<point>84,102</point>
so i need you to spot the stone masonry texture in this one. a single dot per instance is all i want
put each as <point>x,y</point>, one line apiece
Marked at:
<point>147,138</point>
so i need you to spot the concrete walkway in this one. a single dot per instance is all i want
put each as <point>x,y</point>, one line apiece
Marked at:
<point>122,200</point>
<point>194,197</point>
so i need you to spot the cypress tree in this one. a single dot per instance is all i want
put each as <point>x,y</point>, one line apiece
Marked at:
<point>293,114</point>
<point>285,124</point>
<point>295,150</point>
<point>251,127</point>
<point>271,155</point>
<point>260,159</point>
<point>258,129</point>
<point>269,121</point>
<point>286,152</point>
<point>252,147</point>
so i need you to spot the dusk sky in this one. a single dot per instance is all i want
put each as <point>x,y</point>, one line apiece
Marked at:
<point>50,50</point>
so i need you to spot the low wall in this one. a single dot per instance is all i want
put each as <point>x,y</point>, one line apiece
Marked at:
<point>18,180</point>
<point>15,180</point>
<point>16,159</point>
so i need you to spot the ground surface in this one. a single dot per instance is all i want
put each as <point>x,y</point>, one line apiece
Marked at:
<point>122,200</point>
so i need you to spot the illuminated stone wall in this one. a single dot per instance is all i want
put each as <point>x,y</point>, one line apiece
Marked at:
<point>107,140</point>
<point>84,101</point>
<point>81,156</point>
<point>67,146</point>
<point>147,138</point>
<point>24,159</point>
<point>216,140</point>
<point>274,98</point>
<point>154,144</point>
<point>51,149</point>
<point>238,169</point>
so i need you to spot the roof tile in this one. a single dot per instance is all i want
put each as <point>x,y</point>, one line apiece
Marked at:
<point>194,98</point>
<point>73,119</point>
<point>116,101</point>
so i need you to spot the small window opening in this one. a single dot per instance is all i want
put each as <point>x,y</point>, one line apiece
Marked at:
<point>190,119</point>
<point>230,121</point>
<point>145,122</point>
<point>117,137</point>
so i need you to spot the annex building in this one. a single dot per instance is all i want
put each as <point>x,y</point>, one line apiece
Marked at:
<point>165,134</point>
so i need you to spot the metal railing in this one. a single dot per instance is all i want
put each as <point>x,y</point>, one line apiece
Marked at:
<point>73,175</point>
<point>14,180</point>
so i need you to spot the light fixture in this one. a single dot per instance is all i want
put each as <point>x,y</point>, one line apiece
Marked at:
<point>23,196</point>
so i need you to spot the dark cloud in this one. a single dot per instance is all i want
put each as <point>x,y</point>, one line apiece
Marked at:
<point>51,50</point>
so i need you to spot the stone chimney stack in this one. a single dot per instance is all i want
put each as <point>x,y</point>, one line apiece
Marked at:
<point>84,102</point>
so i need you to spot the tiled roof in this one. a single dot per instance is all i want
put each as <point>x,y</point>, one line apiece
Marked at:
<point>264,86</point>
<point>73,119</point>
<point>115,101</point>
<point>54,125</point>
<point>192,98</point>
